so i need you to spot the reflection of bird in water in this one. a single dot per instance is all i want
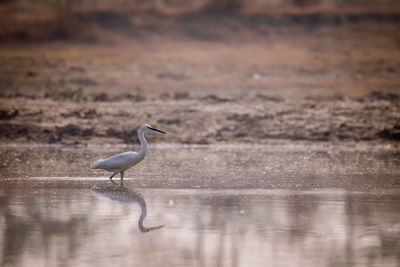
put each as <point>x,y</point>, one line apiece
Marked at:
<point>125,196</point>
<point>121,162</point>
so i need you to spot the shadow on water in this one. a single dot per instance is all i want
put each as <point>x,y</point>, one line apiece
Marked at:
<point>40,223</point>
<point>31,222</point>
<point>69,227</point>
<point>123,195</point>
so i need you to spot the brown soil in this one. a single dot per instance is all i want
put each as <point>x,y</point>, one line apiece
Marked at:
<point>203,120</point>
<point>203,78</point>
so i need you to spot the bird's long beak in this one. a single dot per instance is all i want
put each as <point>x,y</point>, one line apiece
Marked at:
<point>154,129</point>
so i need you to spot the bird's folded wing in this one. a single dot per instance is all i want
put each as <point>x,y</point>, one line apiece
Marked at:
<point>116,162</point>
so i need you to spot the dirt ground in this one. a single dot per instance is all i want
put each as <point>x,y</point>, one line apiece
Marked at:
<point>203,78</point>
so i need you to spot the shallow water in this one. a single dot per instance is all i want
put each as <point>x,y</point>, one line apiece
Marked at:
<point>210,205</point>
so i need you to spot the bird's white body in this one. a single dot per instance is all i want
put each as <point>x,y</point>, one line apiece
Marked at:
<point>121,162</point>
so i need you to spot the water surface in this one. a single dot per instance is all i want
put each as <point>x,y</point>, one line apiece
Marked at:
<point>202,206</point>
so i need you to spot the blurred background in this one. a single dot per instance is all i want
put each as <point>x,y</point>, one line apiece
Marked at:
<point>244,71</point>
<point>317,81</point>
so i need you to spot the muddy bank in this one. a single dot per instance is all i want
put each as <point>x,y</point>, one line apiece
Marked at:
<point>202,119</point>
<point>203,78</point>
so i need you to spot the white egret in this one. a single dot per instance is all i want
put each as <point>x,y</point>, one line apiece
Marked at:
<point>121,162</point>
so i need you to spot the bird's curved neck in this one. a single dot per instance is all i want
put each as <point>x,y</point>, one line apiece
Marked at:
<point>143,214</point>
<point>143,143</point>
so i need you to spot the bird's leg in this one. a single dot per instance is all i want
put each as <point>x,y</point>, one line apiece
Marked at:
<point>122,178</point>
<point>113,175</point>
